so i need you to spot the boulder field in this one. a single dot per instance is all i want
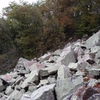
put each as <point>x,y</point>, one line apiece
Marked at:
<point>71,73</point>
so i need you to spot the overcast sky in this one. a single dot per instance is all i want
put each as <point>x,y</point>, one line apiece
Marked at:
<point>5,3</point>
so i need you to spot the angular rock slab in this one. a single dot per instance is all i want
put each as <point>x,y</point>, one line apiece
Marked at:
<point>63,72</point>
<point>32,77</point>
<point>24,62</point>
<point>63,87</point>
<point>33,67</point>
<point>77,80</point>
<point>68,59</point>
<point>66,56</point>
<point>9,90</point>
<point>43,73</point>
<point>43,93</point>
<point>93,40</point>
<point>57,52</point>
<point>45,57</point>
<point>94,72</point>
<point>15,95</point>
<point>95,49</point>
<point>92,82</point>
<point>78,52</point>
<point>83,65</point>
<point>51,69</point>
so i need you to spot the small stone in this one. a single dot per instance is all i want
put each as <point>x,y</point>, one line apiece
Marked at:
<point>79,73</point>
<point>43,73</point>
<point>51,80</point>
<point>32,88</point>
<point>43,82</point>
<point>73,65</point>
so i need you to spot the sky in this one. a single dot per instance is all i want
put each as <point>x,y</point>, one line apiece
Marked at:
<point>5,3</point>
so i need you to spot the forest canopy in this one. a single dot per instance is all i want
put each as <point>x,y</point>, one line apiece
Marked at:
<point>33,29</point>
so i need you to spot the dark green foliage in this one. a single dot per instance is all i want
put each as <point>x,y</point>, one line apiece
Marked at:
<point>33,29</point>
<point>5,40</point>
<point>88,17</point>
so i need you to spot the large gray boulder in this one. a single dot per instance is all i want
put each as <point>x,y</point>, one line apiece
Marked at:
<point>63,72</point>
<point>43,93</point>
<point>50,69</point>
<point>93,40</point>
<point>33,67</point>
<point>68,58</point>
<point>32,77</point>
<point>63,87</point>
<point>23,63</point>
<point>15,95</point>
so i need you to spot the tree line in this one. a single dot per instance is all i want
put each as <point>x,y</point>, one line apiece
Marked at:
<point>33,29</point>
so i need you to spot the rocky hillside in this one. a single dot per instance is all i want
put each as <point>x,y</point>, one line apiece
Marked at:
<point>71,73</point>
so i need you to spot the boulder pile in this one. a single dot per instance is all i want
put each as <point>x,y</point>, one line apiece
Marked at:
<point>71,73</point>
